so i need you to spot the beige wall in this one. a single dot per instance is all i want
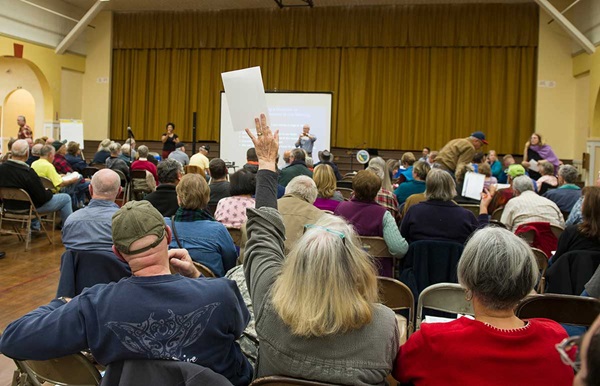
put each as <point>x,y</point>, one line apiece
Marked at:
<point>70,94</point>
<point>555,110</point>
<point>96,93</point>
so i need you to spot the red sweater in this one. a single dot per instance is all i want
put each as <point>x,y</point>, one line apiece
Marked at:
<point>468,352</point>
<point>145,165</point>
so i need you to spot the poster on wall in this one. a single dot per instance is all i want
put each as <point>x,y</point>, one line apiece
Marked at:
<point>72,130</point>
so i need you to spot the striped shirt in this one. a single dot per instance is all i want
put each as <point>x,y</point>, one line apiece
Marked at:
<point>529,207</point>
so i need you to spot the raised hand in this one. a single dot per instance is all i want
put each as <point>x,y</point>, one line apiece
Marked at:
<point>265,142</point>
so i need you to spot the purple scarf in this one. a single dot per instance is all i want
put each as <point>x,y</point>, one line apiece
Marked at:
<point>546,153</point>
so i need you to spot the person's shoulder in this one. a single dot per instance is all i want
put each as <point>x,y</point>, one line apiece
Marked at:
<point>548,328</point>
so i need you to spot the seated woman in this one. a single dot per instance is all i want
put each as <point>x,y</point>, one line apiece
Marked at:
<point>316,309</point>
<point>485,169</point>
<point>328,198</point>
<point>497,270</point>
<point>416,185</point>
<point>438,217</point>
<point>231,211</point>
<point>207,240</point>
<point>536,149</point>
<point>74,157</point>
<point>385,196</point>
<point>103,153</point>
<point>114,162</point>
<point>371,219</point>
<point>548,177</point>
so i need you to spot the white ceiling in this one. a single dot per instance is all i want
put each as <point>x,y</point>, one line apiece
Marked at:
<point>174,5</point>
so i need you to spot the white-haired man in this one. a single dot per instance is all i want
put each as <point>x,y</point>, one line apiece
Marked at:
<point>24,129</point>
<point>90,228</point>
<point>297,208</point>
<point>567,193</point>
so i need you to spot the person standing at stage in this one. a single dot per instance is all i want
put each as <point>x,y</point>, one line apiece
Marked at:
<point>306,140</point>
<point>24,129</point>
<point>169,140</point>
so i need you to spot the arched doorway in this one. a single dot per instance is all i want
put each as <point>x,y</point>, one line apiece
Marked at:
<point>18,102</point>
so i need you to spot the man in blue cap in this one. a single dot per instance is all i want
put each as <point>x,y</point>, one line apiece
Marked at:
<point>459,152</point>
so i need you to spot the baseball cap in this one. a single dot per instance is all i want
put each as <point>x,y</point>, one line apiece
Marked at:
<point>480,136</point>
<point>205,147</point>
<point>58,144</point>
<point>515,170</point>
<point>135,220</point>
<point>179,144</point>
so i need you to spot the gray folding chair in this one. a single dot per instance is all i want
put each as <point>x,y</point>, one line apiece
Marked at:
<point>73,370</point>
<point>447,297</point>
<point>397,296</point>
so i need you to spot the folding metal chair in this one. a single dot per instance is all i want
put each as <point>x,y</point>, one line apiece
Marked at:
<point>397,296</point>
<point>565,309</point>
<point>542,262</point>
<point>73,370</point>
<point>447,297</point>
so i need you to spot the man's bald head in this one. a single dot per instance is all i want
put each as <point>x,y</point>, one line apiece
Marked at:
<point>105,185</point>
<point>20,150</point>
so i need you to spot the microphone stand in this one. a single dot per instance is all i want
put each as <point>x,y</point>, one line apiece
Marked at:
<point>131,138</point>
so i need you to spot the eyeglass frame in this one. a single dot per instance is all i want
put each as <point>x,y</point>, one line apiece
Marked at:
<point>566,345</point>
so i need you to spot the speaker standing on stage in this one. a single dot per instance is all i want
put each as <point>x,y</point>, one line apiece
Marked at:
<point>169,140</point>
<point>306,140</point>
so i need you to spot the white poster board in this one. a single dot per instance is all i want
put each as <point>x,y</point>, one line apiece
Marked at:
<point>245,95</point>
<point>72,130</point>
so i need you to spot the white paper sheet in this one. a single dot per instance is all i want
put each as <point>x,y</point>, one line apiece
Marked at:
<point>439,319</point>
<point>502,186</point>
<point>473,185</point>
<point>245,95</point>
<point>533,165</point>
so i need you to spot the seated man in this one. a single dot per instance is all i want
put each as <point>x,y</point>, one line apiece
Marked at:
<point>35,154</point>
<point>527,207</point>
<point>74,187</point>
<point>90,227</point>
<point>296,168</point>
<point>502,196</point>
<point>151,315</point>
<point>201,159</point>
<point>115,162</point>
<point>251,161</point>
<point>326,157</point>
<point>143,163</point>
<point>567,193</point>
<point>164,198</point>
<point>179,154</point>
<point>219,186</point>
<point>17,174</point>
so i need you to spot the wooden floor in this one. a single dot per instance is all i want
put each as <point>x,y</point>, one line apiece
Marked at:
<point>27,280</point>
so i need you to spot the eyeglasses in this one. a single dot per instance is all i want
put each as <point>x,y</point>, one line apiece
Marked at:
<point>337,233</point>
<point>565,348</point>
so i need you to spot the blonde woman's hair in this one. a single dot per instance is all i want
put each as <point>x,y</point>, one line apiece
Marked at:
<point>386,182</point>
<point>193,192</point>
<point>325,180</point>
<point>328,283</point>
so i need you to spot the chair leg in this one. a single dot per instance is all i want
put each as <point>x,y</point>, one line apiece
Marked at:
<point>43,227</point>
<point>28,233</point>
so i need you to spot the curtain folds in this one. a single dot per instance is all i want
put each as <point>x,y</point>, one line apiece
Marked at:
<point>402,77</point>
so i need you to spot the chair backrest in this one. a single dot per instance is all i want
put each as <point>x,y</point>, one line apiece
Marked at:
<point>89,172</point>
<point>556,230</point>
<point>349,176</point>
<point>471,207</point>
<point>138,174</point>
<point>98,165</point>
<point>70,370</point>
<point>447,297</point>
<point>194,169</point>
<point>344,184</point>
<point>375,246</point>
<point>287,381</point>
<point>204,270</point>
<point>397,296</point>
<point>121,176</point>
<point>566,309</point>
<point>346,193</point>
<point>15,194</point>
<point>497,214</point>
<point>528,236</point>
<point>498,224</point>
<point>542,262</point>
<point>47,183</point>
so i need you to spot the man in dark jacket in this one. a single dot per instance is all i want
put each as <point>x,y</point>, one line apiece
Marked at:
<point>164,198</point>
<point>296,168</point>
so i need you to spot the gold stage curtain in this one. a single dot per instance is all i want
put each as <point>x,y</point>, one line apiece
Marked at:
<point>402,77</point>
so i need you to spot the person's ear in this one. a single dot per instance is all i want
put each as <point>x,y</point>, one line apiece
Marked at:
<point>92,190</point>
<point>118,254</point>
<point>169,234</point>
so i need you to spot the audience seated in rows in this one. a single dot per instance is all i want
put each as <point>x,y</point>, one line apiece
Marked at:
<point>185,318</point>
<point>35,153</point>
<point>317,307</point>
<point>142,163</point>
<point>103,153</point>
<point>575,214</point>
<point>125,154</point>
<point>485,169</point>
<point>440,218</point>
<point>219,185</point>
<point>297,209</point>
<point>231,211</point>
<point>164,198</point>
<point>527,207</point>
<point>406,166</point>
<point>502,196</point>
<point>90,228</point>
<point>326,158</point>
<point>115,162</point>
<point>385,195</point>
<point>496,166</point>
<point>328,197</point>
<point>296,167</point>
<point>371,219</point>
<point>567,193</point>
<point>17,174</point>
<point>414,186</point>
<point>497,270</point>
<point>179,154</point>
<point>207,241</point>
<point>74,157</point>
<point>507,160</point>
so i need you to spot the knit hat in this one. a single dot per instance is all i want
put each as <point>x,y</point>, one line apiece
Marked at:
<point>135,220</point>
<point>515,170</point>
<point>58,144</point>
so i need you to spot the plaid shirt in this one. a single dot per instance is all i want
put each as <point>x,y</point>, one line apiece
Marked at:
<point>388,200</point>
<point>25,132</point>
<point>61,164</point>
